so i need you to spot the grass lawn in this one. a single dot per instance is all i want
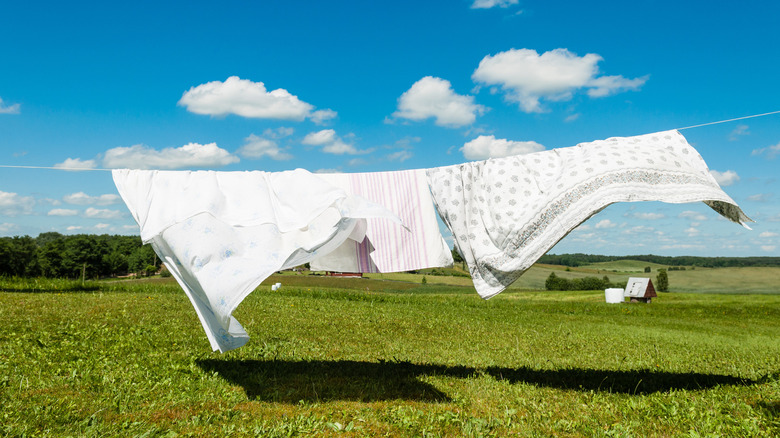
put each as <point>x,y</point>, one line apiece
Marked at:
<point>361,357</point>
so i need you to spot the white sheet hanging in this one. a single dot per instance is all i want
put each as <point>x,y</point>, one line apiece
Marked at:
<point>389,247</point>
<point>505,213</point>
<point>222,233</point>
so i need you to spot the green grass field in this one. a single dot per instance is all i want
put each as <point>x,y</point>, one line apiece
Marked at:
<point>371,357</point>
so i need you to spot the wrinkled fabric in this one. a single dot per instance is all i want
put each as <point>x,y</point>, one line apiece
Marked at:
<point>389,247</point>
<point>505,213</point>
<point>221,234</point>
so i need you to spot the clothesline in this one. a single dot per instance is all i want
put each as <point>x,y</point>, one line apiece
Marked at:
<point>729,120</point>
<point>79,169</point>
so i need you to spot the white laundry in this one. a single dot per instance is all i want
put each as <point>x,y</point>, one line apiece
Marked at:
<point>222,233</point>
<point>389,247</point>
<point>505,213</point>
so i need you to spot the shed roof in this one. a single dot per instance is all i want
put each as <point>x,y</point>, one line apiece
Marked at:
<point>639,287</point>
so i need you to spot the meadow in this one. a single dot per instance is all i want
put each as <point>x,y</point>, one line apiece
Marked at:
<point>387,356</point>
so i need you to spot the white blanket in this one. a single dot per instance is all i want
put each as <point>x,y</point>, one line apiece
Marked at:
<point>222,233</point>
<point>389,247</point>
<point>506,213</point>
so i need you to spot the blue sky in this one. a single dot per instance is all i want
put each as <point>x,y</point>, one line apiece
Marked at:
<point>371,86</point>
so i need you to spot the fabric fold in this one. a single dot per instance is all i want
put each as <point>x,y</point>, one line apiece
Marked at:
<point>222,233</point>
<point>389,247</point>
<point>505,213</point>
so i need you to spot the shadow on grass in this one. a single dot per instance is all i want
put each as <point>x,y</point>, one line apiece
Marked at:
<point>291,381</point>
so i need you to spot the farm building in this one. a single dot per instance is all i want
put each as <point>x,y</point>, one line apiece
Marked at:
<point>640,290</point>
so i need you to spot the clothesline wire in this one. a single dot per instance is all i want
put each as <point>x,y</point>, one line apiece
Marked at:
<point>79,169</point>
<point>729,120</point>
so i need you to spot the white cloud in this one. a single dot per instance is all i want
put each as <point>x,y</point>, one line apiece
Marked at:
<point>189,155</point>
<point>11,204</point>
<point>330,142</point>
<point>768,234</point>
<point>683,246</point>
<point>608,85</point>
<point>432,97</point>
<point>768,248</point>
<point>400,156</point>
<point>759,197</point>
<point>604,224</point>
<point>487,4</point>
<point>92,212</point>
<point>692,231</point>
<point>73,228</point>
<point>649,216</point>
<point>726,178</point>
<point>572,117</point>
<point>13,108</point>
<point>488,146</point>
<point>8,227</point>
<point>259,147</point>
<point>76,164</point>
<point>62,212</point>
<point>278,133</point>
<point>527,77</point>
<point>245,98</point>
<point>639,229</point>
<point>81,198</point>
<point>102,226</point>
<point>692,215</point>
<point>320,117</point>
<point>771,152</point>
<point>740,130</point>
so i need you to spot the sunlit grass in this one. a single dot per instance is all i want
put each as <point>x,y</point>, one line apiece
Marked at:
<point>370,357</point>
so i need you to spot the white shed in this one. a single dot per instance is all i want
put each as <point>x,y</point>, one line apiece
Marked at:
<point>640,289</point>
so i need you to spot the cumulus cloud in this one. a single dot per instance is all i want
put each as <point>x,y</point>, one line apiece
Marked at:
<point>189,155</point>
<point>320,117</point>
<point>62,212</point>
<point>639,229</point>
<point>400,156</point>
<point>330,142</point>
<point>487,4</point>
<point>739,131</point>
<point>76,164</point>
<point>98,213</point>
<point>432,97</point>
<point>73,228</point>
<point>245,98</point>
<point>7,227</point>
<point>692,231</point>
<point>770,152</point>
<point>692,215</point>
<point>488,146</point>
<point>760,197</point>
<point>259,147</point>
<point>726,178</point>
<point>768,248</point>
<point>12,204</point>
<point>102,226</point>
<point>649,216</point>
<point>13,108</point>
<point>604,224</point>
<point>526,77</point>
<point>767,234</point>
<point>81,198</point>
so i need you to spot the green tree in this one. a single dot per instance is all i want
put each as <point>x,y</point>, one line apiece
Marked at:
<point>662,281</point>
<point>647,269</point>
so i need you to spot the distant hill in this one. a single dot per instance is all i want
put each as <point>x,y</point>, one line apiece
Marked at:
<point>578,259</point>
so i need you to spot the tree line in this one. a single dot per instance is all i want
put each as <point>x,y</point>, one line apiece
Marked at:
<point>579,259</point>
<point>75,256</point>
